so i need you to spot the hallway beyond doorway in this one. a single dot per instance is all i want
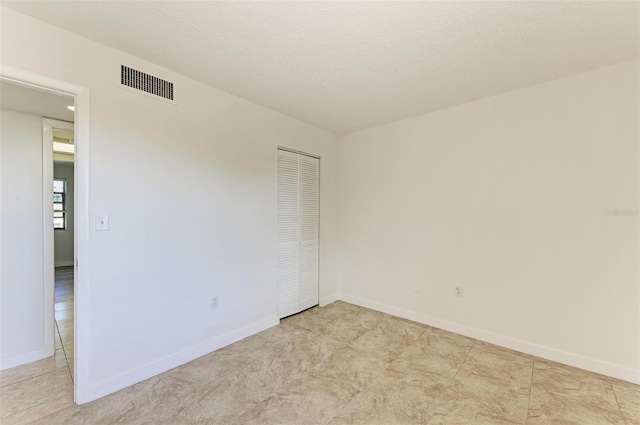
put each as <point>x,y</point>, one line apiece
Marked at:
<point>41,388</point>
<point>64,313</point>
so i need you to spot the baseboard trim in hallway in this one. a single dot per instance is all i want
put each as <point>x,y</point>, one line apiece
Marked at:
<point>25,358</point>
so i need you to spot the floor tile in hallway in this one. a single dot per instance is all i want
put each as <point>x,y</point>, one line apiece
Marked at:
<point>37,389</point>
<point>343,364</point>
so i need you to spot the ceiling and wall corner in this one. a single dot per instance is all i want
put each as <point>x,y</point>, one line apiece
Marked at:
<point>346,66</point>
<point>32,101</point>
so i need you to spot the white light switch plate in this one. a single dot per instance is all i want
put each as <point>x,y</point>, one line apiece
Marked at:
<point>102,222</point>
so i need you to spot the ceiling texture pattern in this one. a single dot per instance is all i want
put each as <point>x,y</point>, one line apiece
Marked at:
<point>346,66</point>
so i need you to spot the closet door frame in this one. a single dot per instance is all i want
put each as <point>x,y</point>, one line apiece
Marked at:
<point>318,158</point>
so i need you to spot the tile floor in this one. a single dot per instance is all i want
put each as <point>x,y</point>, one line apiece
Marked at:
<point>64,313</point>
<point>37,389</point>
<point>343,364</point>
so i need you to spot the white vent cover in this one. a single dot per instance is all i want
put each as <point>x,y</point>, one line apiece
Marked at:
<point>147,83</point>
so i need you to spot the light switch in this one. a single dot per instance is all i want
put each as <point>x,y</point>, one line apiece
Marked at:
<point>102,222</point>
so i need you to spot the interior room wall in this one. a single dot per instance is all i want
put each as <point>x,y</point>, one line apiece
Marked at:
<point>528,200</point>
<point>190,190</point>
<point>21,239</point>
<point>63,238</point>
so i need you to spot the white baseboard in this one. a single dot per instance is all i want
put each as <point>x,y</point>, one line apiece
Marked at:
<point>64,263</point>
<point>157,367</point>
<point>25,358</point>
<point>329,299</point>
<point>553,354</point>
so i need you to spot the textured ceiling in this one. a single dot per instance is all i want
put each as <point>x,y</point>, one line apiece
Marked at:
<point>35,102</point>
<point>345,66</point>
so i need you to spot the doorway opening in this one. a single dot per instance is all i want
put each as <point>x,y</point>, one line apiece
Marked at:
<point>39,252</point>
<point>62,139</point>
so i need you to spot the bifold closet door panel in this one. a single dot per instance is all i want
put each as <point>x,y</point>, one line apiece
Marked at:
<point>288,233</point>
<point>309,216</point>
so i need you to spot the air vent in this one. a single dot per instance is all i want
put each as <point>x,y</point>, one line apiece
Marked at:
<point>147,83</point>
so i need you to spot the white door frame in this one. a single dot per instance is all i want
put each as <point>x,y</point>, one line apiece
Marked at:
<point>48,125</point>
<point>81,233</point>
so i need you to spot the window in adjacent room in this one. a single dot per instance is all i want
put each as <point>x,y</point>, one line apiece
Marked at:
<point>59,204</point>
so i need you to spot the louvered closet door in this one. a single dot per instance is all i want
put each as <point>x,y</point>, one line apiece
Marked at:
<point>288,272</point>
<point>309,176</point>
<point>298,214</point>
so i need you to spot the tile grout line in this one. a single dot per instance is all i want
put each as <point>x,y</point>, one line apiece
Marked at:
<point>615,396</point>
<point>59,335</point>
<point>33,406</point>
<point>533,367</point>
<point>64,350</point>
<point>463,362</point>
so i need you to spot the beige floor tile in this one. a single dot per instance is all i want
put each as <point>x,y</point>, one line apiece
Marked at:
<point>64,314</point>
<point>29,393</point>
<point>65,305</point>
<point>39,411</point>
<point>484,399</point>
<point>308,401</point>
<point>349,308</point>
<point>170,414</point>
<point>287,363</point>
<point>328,343</point>
<point>628,398</point>
<point>223,400</point>
<point>334,311</point>
<point>33,369</point>
<point>343,328</point>
<point>143,400</point>
<point>385,344</point>
<point>352,367</point>
<point>196,374</point>
<point>64,297</point>
<point>445,342</point>
<point>498,366</point>
<point>405,329</point>
<point>429,365</point>
<point>492,386</point>
<point>368,319</point>
<point>308,319</point>
<point>399,393</point>
<point>472,414</point>
<point>284,333</point>
<point>551,408</point>
<point>574,384</point>
<point>99,412</point>
<point>65,326</point>
<point>368,409</point>
<point>247,350</point>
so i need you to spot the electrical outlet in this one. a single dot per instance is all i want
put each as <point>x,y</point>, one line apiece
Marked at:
<point>214,302</point>
<point>458,291</point>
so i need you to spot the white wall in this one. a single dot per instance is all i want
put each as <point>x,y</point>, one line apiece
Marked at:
<point>190,189</point>
<point>63,238</point>
<point>22,333</point>
<point>506,197</point>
